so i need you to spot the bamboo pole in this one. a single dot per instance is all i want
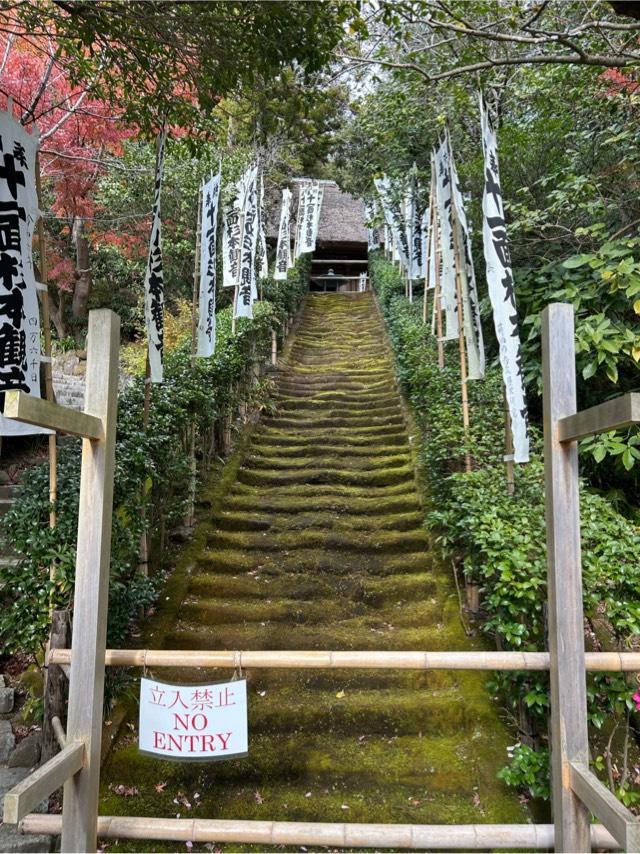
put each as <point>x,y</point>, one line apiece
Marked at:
<point>189,518</point>
<point>427,260</point>
<point>508,446</point>
<point>460,837</point>
<point>48,367</point>
<point>620,662</point>
<point>143,562</point>
<point>461,342</point>
<point>274,347</point>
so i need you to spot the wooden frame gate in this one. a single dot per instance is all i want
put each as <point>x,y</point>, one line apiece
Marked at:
<point>576,790</point>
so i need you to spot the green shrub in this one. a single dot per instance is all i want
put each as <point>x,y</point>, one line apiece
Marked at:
<point>499,538</point>
<point>152,471</point>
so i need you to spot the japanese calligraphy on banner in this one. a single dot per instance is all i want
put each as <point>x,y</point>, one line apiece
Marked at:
<point>263,258</point>
<point>393,216</point>
<point>415,236</point>
<point>154,279</point>
<point>193,721</point>
<point>303,196</point>
<point>448,279</point>
<point>501,289</point>
<point>310,219</point>
<point>283,252</point>
<point>470,303</point>
<point>207,301</point>
<point>231,243</point>
<point>19,313</point>
<point>247,289</point>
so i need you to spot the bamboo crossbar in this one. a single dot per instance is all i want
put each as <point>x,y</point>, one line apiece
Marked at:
<point>364,659</point>
<point>461,837</point>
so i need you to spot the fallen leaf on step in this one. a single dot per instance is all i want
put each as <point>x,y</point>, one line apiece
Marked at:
<point>126,791</point>
<point>160,787</point>
<point>258,797</point>
<point>344,807</point>
<point>340,695</point>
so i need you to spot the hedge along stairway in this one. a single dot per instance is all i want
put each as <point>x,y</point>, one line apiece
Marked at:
<point>317,542</point>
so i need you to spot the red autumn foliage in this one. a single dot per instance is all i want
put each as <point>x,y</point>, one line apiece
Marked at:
<point>76,131</point>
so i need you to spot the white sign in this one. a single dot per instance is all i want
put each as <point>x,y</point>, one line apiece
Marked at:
<point>19,314</point>
<point>193,721</point>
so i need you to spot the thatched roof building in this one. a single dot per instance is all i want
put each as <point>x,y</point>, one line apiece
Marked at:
<point>341,245</point>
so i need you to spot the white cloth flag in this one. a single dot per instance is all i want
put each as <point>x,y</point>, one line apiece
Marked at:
<point>154,277</point>
<point>207,300</point>
<point>310,219</point>
<point>448,296</point>
<point>263,258</point>
<point>416,270</point>
<point>283,252</point>
<point>470,302</point>
<point>373,237</point>
<point>394,219</point>
<point>501,290</point>
<point>303,195</point>
<point>20,355</point>
<point>247,289</point>
<point>231,243</point>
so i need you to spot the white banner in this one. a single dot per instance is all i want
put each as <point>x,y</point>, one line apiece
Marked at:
<point>263,258</point>
<point>470,302</point>
<point>448,298</point>
<point>415,217</point>
<point>283,252</point>
<point>231,243</point>
<point>373,235</point>
<point>395,220</point>
<point>501,290</point>
<point>154,277</point>
<point>303,195</point>
<point>247,289</point>
<point>207,301</point>
<point>193,721</point>
<point>20,355</point>
<point>311,219</point>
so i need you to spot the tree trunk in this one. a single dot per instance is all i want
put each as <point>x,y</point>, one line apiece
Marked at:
<point>56,314</point>
<point>83,270</point>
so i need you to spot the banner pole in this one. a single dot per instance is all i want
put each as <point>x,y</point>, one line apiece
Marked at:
<point>438,294</point>
<point>143,562</point>
<point>189,516</point>
<point>427,260</point>
<point>48,367</point>
<point>508,445</point>
<point>461,341</point>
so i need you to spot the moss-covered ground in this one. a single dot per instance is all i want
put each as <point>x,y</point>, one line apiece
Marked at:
<point>313,539</point>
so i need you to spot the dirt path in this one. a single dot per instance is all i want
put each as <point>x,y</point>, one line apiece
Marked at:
<point>319,544</point>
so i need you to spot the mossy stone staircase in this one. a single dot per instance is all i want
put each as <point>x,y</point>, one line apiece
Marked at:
<point>319,544</point>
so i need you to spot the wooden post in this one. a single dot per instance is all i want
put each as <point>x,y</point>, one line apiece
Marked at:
<point>55,686</point>
<point>274,347</point>
<point>508,445</point>
<point>86,686</point>
<point>461,342</point>
<point>569,737</point>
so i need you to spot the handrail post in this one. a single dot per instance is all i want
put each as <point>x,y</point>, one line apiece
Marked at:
<point>569,736</point>
<point>86,684</point>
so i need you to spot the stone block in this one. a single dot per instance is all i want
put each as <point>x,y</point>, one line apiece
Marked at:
<point>6,700</point>
<point>7,740</point>
<point>27,753</point>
